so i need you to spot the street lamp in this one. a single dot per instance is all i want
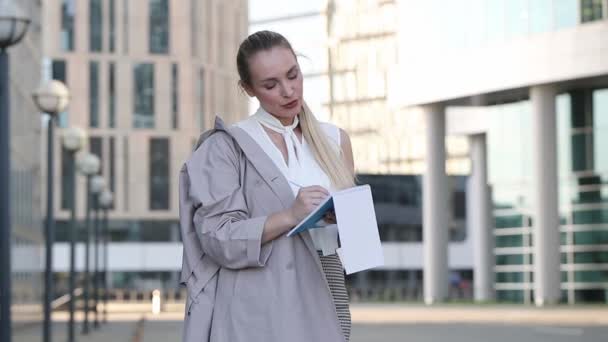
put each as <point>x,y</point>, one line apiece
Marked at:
<point>52,98</point>
<point>98,184</point>
<point>12,28</point>
<point>73,140</point>
<point>105,200</point>
<point>88,165</point>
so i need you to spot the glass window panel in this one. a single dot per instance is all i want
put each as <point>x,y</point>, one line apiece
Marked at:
<point>512,221</point>
<point>591,257</point>
<point>600,136</point>
<point>510,277</point>
<point>516,18</point>
<point>159,174</point>
<point>590,216</point>
<point>580,151</point>
<point>591,238</point>
<point>514,259</point>
<point>96,148</point>
<point>143,101</point>
<point>566,13</point>
<point>59,71</point>
<point>591,276</point>
<point>175,95</point>
<point>68,12</point>
<point>112,164</point>
<point>94,94</point>
<point>564,277</point>
<point>509,241</point>
<point>125,26</point>
<point>65,179</point>
<point>540,15</point>
<point>95,25</point>
<point>495,21</point>
<point>591,10</point>
<point>200,90</point>
<point>112,25</point>
<point>112,95</point>
<point>159,26</point>
<point>516,296</point>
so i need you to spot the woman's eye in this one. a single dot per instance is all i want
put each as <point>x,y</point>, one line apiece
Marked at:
<point>293,76</point>
<point>269,87</point>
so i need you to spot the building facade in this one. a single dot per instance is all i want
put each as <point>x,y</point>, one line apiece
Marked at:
<point>146,78</point>
<point>27,236</point>
<point>519,89</point>
<point>389,148</point>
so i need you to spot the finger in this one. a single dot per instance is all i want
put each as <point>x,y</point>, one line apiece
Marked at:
<point>315,188</point>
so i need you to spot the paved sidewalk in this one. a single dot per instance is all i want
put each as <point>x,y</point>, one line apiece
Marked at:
<point>444,314</point>
<point>110,332</point>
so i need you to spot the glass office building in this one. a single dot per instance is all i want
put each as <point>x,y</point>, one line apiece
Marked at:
<point>511,94</point>
<point>146,79</point>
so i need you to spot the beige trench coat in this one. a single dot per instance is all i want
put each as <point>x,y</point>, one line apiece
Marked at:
<point>239,289</point>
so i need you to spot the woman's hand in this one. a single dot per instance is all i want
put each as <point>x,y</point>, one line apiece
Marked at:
<point>307,200</point>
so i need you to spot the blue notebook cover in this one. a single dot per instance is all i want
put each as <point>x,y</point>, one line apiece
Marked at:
<point>311,220</point>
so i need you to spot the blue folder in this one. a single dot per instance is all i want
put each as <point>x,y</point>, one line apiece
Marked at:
<point>311,220</point>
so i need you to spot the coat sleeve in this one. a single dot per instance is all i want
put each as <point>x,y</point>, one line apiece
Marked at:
<point>228,233</point>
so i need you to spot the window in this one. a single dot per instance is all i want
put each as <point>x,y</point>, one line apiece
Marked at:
<point>126,183</point>
<point>66,168</point>
<point>200,91</point>
<point>95,25</point>
<point>125,26</point>
<point>112,25</point>
<point>143,102</point>
<point>112,95</point>
<point>194,27</point>
<point>565,13</point>
<point>159,173</point>
<point>159,26</point>
<point>591,10</point>
<point>68,11</point>
<point>59,72</point>
<point>94,94</point>
<point>96,148</point>
<point>540,15</point>
<point>175,95</point>
<point>112,167</point>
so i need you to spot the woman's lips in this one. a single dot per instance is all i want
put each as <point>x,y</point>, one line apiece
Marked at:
<point>291,104</point>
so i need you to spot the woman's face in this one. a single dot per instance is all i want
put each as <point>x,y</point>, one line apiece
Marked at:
<point>276,81</point>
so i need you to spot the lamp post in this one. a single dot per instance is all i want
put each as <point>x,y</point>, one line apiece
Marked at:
<point>98,184</point>
<point>88,165</point>
<point>105,200</point>
<point>73,140</point>
<point>12,29</point>
<point>52,98</point>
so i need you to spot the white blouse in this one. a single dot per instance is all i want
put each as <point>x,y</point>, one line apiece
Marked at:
<point>305,171</point>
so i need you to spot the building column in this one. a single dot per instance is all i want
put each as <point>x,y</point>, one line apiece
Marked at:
<point>435,215</point>
<point>546,247</point>
<point>479,211</point>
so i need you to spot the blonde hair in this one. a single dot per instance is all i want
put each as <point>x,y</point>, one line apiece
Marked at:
<point>329,156</point>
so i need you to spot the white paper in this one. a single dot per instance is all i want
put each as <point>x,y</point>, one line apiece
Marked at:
<point>360,242</point>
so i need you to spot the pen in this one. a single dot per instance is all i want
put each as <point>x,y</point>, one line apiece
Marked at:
<point>296,184</point>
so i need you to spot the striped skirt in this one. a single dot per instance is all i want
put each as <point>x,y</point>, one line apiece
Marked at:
<point>334,272</point>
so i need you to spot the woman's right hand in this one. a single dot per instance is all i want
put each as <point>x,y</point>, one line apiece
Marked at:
<point>307,200</point>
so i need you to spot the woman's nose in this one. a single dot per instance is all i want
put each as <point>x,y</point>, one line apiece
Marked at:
<point>287,90</point>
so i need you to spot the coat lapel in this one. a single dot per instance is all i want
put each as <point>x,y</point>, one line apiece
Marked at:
<point>269,172</point>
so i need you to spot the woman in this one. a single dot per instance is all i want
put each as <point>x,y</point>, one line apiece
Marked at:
<point>242,190</point>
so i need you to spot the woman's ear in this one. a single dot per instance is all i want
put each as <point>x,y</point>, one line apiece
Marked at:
<point>246,88</point>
